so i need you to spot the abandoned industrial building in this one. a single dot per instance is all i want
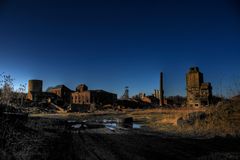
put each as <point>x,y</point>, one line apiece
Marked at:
<point>62,95</point>
<point>98,97</point>
<point>34,89</point>
<point>36,94</point>
<point>62,91</point>
<point>199,93</point>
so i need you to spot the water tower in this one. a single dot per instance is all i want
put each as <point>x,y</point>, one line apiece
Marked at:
<point>35,85</point>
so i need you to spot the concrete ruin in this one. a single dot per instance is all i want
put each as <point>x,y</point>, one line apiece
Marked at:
<point>199,93</point>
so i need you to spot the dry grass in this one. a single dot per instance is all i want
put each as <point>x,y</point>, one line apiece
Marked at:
<point>221,120</point>
<point>162,120</point>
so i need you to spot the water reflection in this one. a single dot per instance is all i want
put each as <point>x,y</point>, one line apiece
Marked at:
<point>115,125</point>
<point>109,124</point>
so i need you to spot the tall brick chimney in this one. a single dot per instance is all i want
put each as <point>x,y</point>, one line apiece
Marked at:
<point>161,90</point>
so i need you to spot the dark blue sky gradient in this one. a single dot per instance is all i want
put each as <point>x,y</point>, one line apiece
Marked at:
<point>110,44</point>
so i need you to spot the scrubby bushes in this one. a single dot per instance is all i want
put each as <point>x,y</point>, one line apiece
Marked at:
<point>16,140</point>
<point>220,120</point>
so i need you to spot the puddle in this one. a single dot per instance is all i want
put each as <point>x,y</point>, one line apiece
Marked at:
<point>77,126</point>
<point>137,125</point>
<point>109,124</point>
<point>71,121</point>
<point>113,126</point>
<point>108,121</point>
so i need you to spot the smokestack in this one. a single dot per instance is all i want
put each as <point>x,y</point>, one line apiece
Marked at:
<point>161,90</point>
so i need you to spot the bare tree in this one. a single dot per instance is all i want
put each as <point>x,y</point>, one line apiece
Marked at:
<point>21,93</point>
<point>7,89</point>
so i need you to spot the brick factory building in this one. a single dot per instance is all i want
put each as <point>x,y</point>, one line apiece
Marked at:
<point>63,92</point>
<point>87,97</point>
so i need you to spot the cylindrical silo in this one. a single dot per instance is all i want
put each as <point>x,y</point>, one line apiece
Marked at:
<point>35,85</point>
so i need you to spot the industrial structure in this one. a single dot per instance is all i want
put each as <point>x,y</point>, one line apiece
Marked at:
<point>157,98</point>
<point>161,90</point>
<point>34,89</point>
<point>125,95</point>
<point>63,92</point>
<point>36,94</point>
<point>97,97</point>
<point>199,93</point>
<point>62,95</point>
<point>156,94</point>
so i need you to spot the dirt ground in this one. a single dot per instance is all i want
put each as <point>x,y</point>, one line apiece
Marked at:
<point>136,144</point>
<point>96,142</point>
<point>87,137</point>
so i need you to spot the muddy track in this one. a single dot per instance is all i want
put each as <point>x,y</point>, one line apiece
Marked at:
<point>138,146</point>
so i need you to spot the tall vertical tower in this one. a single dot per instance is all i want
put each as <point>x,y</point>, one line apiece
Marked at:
<point>126,94</point>
<point>35,85</point>
<point>198,92</point>
<point>161,90</point>
<point>34,89</point>
<point>194,80</point>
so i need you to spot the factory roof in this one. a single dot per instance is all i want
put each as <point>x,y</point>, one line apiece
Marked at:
<point>57,87</point>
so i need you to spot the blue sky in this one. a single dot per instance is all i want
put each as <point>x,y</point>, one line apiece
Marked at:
<point>111,44</point>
